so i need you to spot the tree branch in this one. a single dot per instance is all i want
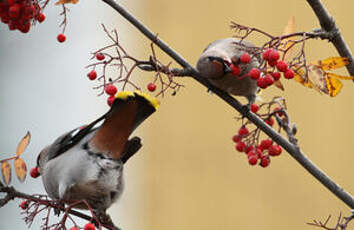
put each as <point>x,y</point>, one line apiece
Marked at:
<point>294,151</point>
<point>329,25</point>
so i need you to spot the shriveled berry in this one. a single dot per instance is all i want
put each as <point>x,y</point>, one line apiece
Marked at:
<point>236,138</point>
<point>245,58</point>
<point>265,144</point>
<point>240,146</point>
<point>89,226</point>
<point>262,83</point>
<point>254,108</point>
<point>274,55</point>
<point>24,205</point>
<point>270,121</point>
<point>253,160</point>
<point>266,54</point>
<point>254,73</point>
<point>236,70</point>
<point>276,76</point>
<point>34,172</point>
<point>151,87</point>
<point>110,89</point>
<point>269,80</point>
<point>289,74</point>
<point>243,131</point>
<point>282,66</point>
<point>265,161</point>
<point>99,56</point>
<point>272,63</point>
<point>92,75</point>
<point>275,150</point>
<point>61,38</point>
<point>110,100</point>
<point>40,17</point>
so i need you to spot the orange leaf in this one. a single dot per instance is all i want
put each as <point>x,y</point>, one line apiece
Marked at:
<point>6,172</point>
<point>332,63</point>
<point>289,29</point>
<point>61,2</point>
<point>340,76</point>
<point>23,144</point>
<point>20,169</point>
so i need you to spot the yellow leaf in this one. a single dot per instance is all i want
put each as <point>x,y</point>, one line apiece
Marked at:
<point>61,2</point>
<point>332,63</point>
<point>289,29</point>
<point>279,85</point>
<point>340,76</point>
<point>23,144</point>
<point>20,169</point>
<point>6,172</point>
<point>334,86</point>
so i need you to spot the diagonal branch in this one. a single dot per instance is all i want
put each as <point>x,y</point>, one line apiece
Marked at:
<point>329,25</point>
<point>293,150</point>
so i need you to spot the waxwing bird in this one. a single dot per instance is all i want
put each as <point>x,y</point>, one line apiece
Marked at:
<point>87,163</point>
<point>214,64</point>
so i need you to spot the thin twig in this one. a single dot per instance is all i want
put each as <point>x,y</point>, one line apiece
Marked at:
<point>294,151</point>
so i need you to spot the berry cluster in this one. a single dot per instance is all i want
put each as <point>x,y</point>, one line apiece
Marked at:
<point>259,150</point>
<point>268,74</point>
<point>20,14</point>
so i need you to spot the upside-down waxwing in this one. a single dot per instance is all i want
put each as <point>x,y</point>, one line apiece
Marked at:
<point>87,163</point>
<point>215,61</point>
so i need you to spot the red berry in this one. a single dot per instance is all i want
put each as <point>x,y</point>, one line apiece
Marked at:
<point>110,100</point>
<point>99,56</point>
<point>282,66</point>
<point>89,226</point>
<point>34,172</point>
<point>274,55</point>
<point>266,54</point>
<point>249,149</point>
<point>61,38</point>
<point>269,80</point>
<point>245,58</point>
<point>29,12</point>
<point>11,2</point>
<point>265,144</point>
<point>254,108</point>
<point>272,63</point>
<point>151,87</point>
<point>13,25</point>
<point>254,73</point>
<point>275,150</point>
<point>24,205</point>
<point>110,89</point>
<point>270,121</point>
<point>252,160</point>
<point>14,11</point>
<point>92,75</point>
<point>236,70</point>
<point>265,161</point>
<point>236,138</point>
<point>25,26</point>
<point>278,109</point>
<point>251,153</point>
<point>262,83</point>
<point>289,74</point>
<point>243,131</point>
<point>74,228</point>
<point>276,76</point>
<point>240,146</point>
<point>259,152</point>
<point>40,17</point>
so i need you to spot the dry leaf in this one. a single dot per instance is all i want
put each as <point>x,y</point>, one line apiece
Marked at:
<point>279,85</point>
<point>61,2</point>
<point>6,172</point>
<point>332,63</point>
<point>20,169</point>
<point>340,76</point>
<point>23,144</point>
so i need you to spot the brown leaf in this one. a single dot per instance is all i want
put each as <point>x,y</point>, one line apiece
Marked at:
<point>20,169</point>
<point>23,144</point>
<point>61,2</point>
<point>279,85</point>
<point>6,172</point>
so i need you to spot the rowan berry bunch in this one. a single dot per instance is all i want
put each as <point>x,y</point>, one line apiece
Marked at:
<point>248,138</point>
<point>115,57</point>
<point>21,14</point>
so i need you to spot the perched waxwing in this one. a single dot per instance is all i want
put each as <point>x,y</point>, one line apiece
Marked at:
<point>215,61</point>
<point>87,163</point>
